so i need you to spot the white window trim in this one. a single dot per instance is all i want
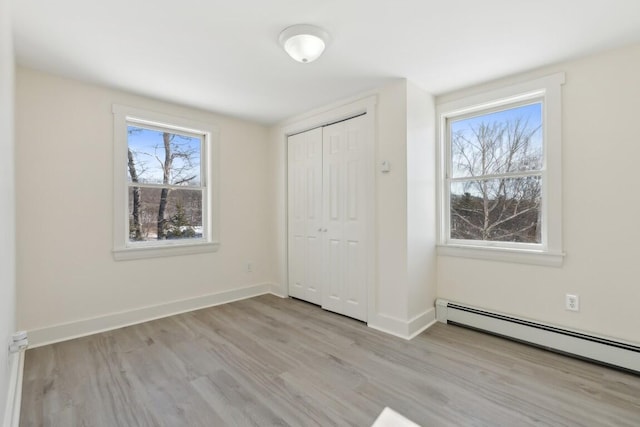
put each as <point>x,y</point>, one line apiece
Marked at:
<point>549,252</point>
<point>122,249</point>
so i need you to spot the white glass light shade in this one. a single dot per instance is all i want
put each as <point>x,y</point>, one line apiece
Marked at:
<point>304,47</point>
<point>304,43</point>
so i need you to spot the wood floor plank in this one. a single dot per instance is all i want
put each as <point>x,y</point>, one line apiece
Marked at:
<point>268,361</point>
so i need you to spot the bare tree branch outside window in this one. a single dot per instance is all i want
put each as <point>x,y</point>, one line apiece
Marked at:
<point>166,200</point>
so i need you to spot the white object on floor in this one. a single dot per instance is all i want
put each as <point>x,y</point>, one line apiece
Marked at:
<point>390,418</point>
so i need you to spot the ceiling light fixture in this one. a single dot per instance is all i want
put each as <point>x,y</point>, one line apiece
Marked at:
<point>303,42</point>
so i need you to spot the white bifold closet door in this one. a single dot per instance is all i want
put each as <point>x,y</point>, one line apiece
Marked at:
<point>328,217</point>
<point>305,215</point>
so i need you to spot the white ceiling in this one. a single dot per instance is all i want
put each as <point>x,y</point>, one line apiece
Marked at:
<point>224,56</point>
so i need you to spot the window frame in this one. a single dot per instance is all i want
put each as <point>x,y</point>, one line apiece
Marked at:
<point>123,248</point>
<point>548,91</point>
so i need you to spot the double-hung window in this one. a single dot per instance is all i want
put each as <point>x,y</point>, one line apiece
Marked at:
<point>164,197</point>
<point>500,178</point>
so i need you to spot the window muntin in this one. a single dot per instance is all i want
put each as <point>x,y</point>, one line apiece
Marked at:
<point>495,174</point>
<point>166,192</point>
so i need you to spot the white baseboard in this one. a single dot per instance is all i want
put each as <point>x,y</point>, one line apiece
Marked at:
<point>279,291</point>
<point>421,323</point>
<point>403,328</point>
<point>84,327</point>
<point>80,328</point>
<point>14,395</point>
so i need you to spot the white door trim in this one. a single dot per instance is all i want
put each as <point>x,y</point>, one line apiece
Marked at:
<point>342,112</point>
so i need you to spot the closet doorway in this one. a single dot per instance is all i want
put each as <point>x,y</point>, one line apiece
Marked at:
<point>329,184</point>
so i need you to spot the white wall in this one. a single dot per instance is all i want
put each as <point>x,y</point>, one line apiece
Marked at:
<point>421,200</point>
<point>65,269</point>
<point>277,160</point>
<point>7,201</point>
<point>391,197</point>
<point>405,288</point>
<point>601,206</point>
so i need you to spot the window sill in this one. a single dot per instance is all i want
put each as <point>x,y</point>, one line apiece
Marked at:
<point>123,254</point>
<point>522,256</point>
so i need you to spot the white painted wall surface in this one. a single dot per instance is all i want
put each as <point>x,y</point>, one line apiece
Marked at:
<point>406,287</point>
<point>601,224</point>
<point>7,200</point>
<point>421,200</point>
<point>65,269</point>
<point>277,160</point>
<point>391,198</point>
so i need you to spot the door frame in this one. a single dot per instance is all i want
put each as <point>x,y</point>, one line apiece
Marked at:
<point>319,118</point>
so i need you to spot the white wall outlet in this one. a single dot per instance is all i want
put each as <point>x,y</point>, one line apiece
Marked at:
<point>572,302</point>
<point>249,267</point>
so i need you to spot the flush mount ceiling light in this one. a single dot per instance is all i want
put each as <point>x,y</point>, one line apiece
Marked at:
<point>304,42</point>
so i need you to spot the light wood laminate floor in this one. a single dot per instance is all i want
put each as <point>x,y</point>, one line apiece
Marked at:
<point>268,361</point>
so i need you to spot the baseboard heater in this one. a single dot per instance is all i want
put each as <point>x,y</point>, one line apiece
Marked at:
<point>602,350</point>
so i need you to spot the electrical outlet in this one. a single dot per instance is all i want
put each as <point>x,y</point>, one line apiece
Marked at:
<point>249,267</point>
<point>572,302</point>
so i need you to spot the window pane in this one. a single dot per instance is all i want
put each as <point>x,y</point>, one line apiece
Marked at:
<point>498,142</point>
<point>181,216</point>
<point>506,210</point>
<point>162,157</point>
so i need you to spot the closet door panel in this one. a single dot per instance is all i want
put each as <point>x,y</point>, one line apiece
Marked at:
<point>305,215</point>
<point>345,218</point>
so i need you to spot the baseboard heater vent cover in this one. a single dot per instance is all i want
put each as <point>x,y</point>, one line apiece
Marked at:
<point>595,348</point>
